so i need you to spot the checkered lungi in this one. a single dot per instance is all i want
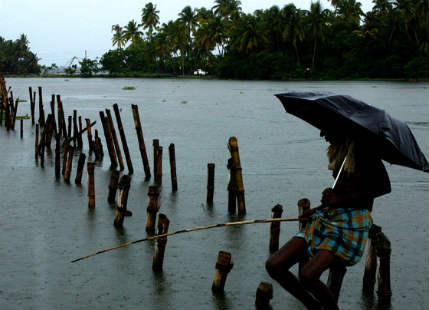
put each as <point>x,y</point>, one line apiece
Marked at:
<point>342,231</point>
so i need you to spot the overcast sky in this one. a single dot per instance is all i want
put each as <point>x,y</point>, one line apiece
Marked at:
<point>60,29</point>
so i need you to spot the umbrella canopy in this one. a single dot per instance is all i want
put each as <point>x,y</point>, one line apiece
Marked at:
<point>389,138</point>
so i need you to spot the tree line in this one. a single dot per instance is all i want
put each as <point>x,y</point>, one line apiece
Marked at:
<point>390,41</point>
<point>16,57</point>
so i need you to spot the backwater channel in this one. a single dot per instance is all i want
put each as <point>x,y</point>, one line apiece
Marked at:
<point>45,223</point>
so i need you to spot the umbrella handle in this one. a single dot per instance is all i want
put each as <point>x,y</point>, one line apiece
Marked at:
<point>339,172</point>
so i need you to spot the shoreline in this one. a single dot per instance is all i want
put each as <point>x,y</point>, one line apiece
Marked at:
<point>209,77</point>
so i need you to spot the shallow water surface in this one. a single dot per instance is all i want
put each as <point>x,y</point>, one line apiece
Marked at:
<point>46,223</point>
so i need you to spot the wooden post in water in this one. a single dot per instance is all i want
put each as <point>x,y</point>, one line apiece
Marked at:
<point>140,138</point>
<point>79,135</point>
<point>236,174</point>
<point>32,104</point>
<point>335,279</point>
<point>369,276</point>
<point>158,175</point>
<point>223,267</point>
<point>152,208</point>
<point>158,257</point>
<point>69,165</point>
<point>2,104</point>
<point>80,166</point>
<point>109,141</point>
<point>113,186</point>
<point>21,128</point>
<point>69,132</point>
<point>61,117</point>
<point>67,146</point>
<point>7,115</point>
<point>210,182</point>
<point>121,209</point>
<point>232,190</point>
<point>41,111</point>
<point>15,110</point>
<point>123,139</point>
<point>172,156</point>
<point>303,205</point>
<point>36,143</point>
<point>276,212</point>
<point>155,145</point>
<point>383,250</point>
<point>89,132</point>
<point>91,185</point>
<point>54,122</point>
<point>98,147</point>
<point>264,294</point>
<point>57,155</point>
<point>115,139</point>
<point>75,129</point>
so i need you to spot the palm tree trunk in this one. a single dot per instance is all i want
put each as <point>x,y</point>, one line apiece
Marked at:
<point>298,62</point>
<point>314,54</point>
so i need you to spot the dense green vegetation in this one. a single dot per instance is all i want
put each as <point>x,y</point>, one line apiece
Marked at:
<point>16,57</point>
<point>390,41</point>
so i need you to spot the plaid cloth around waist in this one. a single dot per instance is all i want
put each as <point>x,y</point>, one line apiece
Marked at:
<point>342,231</point>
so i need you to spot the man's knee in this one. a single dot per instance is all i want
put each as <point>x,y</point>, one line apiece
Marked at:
<point>306,277</point>
<point>271,266</point>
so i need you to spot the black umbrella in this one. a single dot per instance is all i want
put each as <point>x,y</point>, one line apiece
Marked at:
<point>390,139</point>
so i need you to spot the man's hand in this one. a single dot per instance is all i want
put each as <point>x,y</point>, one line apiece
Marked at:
<point>307,214</point>
<point>329,197</point>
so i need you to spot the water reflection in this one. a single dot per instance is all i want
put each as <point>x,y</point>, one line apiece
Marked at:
<point>221,300</point>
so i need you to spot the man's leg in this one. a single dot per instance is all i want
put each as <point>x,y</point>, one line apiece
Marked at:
<point>310,274</point>
<point>278,266</point>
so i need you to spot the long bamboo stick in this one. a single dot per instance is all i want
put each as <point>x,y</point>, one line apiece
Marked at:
<point>186,230</point>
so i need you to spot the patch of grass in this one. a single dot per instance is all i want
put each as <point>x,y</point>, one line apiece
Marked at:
<point>22,100</point>
<point>18,117</point>
<point>128,88</point>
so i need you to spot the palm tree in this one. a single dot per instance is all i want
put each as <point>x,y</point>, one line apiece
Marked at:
<point>226,8</point>
<point>318,25</point>
<point>294,28</point>
<point>249,35</point>
<point>349,10</point>
<point>118,38</point>
<point>188,20</point>
<point>132,33</point>
<point>150,17</point>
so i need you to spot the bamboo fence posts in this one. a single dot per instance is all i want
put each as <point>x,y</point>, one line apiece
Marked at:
<point>210,183</point>
<point>80,166</point>
<point>142,146</point>
<point>379,247</point>
<point>172,156</point>
<point>91,186</point>
<point>369,276</point>
<point>152,208</point>
<point>224,265</point>
<point>57,155</point>
<point>115,139</point>
<point>109,141</point>
<point>41,111</point>
<point>123,139</point>
<point>32,104</point>
<point>113,186</point>
<point>276,212</point>
<point>264,293</point>
<point>157,162</point>
<point>158,257</point>
<point>235,186</point>
<point>121,209</point>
